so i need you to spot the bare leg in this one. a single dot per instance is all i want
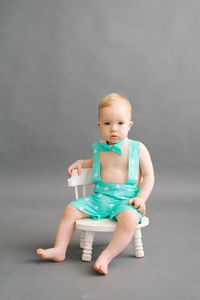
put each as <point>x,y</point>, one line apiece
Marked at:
<point>127,222</point>
<point>65,232</point>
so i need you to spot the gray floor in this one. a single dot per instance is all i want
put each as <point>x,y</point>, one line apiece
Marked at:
<point>30,211</point>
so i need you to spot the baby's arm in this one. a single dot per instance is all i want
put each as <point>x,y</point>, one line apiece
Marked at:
<point>147,173</point>
<point>79,164</point>
<point>147,183</point>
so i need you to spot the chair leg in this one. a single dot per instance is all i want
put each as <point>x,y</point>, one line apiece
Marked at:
<point>138,246</point>
<point>87,245</point>
<point>82,238</point>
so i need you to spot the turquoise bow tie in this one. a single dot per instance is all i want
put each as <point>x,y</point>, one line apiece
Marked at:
<point>116,147</point>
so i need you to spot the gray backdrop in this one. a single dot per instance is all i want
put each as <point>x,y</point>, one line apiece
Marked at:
<point>57,60</point>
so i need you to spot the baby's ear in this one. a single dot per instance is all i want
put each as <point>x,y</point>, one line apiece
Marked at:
<point>131,124</point>
<point>98,124</point>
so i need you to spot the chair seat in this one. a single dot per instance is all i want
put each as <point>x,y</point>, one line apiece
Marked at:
<point>103,225</point>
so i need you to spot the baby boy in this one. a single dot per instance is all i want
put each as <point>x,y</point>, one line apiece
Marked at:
<point>123,176</point>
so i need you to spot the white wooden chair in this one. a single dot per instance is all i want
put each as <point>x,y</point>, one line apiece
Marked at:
<point>90,226</point>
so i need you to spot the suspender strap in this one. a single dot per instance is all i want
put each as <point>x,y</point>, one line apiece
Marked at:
<point>96,175</point>
<point>133,162</point>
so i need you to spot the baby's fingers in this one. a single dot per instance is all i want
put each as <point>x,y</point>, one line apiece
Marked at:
<point>131,201</point>
<point>134,202</point>
<point>79,170</point>
<point>142,210</point>
<point>69,171</point>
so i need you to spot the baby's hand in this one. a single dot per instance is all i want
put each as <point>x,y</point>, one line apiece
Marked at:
<point>139,204</point>
<point>75,165</point>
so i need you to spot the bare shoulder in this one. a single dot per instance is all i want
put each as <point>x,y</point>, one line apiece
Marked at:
<point>145,160</point>
<point>144,154</point>
<point>143,149</point>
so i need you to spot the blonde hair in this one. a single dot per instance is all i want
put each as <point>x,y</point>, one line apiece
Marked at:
<point>113,97</point>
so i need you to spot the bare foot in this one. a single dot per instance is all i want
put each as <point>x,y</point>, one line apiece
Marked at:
<point>101,265</point>
<point>55,254</point>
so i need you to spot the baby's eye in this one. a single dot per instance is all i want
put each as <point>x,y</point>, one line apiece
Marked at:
<point>107,123</point>
<point>121,123</point>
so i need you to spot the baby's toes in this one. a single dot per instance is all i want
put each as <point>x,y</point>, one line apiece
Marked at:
<point>103,270</point>
<point>41,253</point>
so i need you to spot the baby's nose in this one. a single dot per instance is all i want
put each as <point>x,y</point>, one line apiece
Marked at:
<point>114,128</point>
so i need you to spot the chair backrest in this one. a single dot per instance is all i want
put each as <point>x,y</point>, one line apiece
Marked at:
<point>84,178</point>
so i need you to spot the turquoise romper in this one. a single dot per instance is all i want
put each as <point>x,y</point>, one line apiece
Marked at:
<point>110,199</point>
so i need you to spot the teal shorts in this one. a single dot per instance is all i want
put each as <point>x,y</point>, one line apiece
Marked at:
<point>107,201</point>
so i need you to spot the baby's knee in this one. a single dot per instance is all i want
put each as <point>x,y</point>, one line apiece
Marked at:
<point>128,218</point>
<point>73,213</point>
<point>70,211</point>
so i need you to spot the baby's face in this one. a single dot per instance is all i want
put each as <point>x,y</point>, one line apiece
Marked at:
<point>114,122</point>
